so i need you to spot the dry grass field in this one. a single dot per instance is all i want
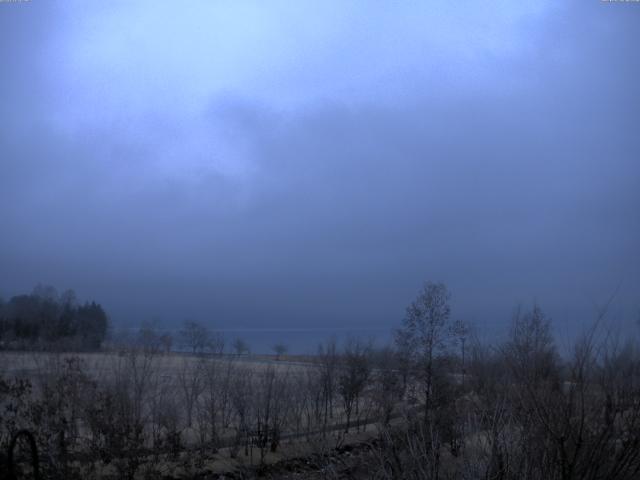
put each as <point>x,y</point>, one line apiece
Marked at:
<point>180,413</point>
<point>353,412</point>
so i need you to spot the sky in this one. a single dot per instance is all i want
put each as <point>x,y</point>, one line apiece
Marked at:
<point>304,164</point>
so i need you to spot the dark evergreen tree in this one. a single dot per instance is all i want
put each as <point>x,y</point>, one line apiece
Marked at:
<point>43,318</point>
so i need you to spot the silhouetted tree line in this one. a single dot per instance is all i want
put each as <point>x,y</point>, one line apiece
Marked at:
<point>44,318</point>
<point>438,404</point>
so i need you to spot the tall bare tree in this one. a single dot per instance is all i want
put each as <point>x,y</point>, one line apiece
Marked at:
<point>353,376</point>
<point>191,382</point>
<point>425,333</point>
<point>328,358</point>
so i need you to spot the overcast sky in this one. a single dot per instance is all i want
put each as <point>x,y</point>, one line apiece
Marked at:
<point>310,164</point>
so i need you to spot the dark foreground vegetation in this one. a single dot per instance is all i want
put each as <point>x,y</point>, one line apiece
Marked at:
<point>439,404</point>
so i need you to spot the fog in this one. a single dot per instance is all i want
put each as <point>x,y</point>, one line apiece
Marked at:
<point>294,165</point>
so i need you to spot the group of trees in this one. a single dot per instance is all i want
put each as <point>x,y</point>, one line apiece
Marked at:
<point>44,318</point>
<point>194,338</point>
<point>514,410</point>
<point>439,404</point>
<point>135,412</point>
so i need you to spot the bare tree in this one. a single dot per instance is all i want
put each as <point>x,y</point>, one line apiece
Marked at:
<point>353,376</point>
<point>280,349</point>
<point>425,333</point>
<point>328,358</point>
<point>387,389</point>
<point>531,350</point>
<point>199,339</point>
<point>270,406</point>
<point>166,342</point>
<point>460,331</point>
<point>148,338</point>
<point>240,347</point>
<point>404,348</point>
<point>190,380</point>
<point>216,398</point>
<point>585,426</point>
<point>242,403</point>
<point>118,414</point>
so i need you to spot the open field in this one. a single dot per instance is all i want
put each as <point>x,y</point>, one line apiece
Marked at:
<point>32,364</point>
<point>237,411</point>
<point>421,412</point>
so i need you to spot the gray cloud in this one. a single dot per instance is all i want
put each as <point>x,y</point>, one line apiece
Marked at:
<point>370,159</point>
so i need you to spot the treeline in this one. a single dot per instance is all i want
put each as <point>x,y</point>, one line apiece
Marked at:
<point>45,318</point>
<point>437,404</point>
<point>517,409</point>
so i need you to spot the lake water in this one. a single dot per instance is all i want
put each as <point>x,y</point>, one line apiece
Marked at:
<point>301,341</point>
<point>297,340</point>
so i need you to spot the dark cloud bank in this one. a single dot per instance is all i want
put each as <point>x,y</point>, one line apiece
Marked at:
<point>518,185</point>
